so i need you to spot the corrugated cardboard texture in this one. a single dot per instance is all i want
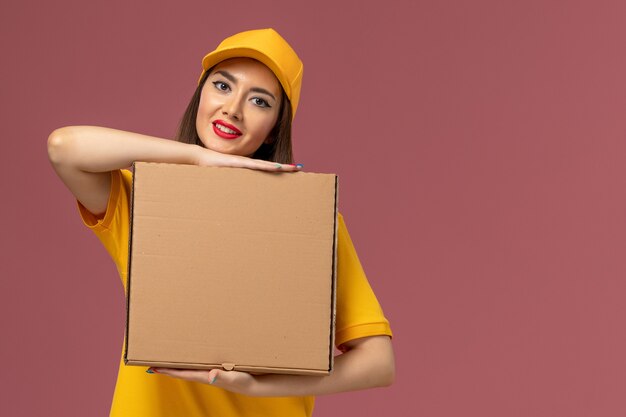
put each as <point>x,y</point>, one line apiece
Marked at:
<point>232,266</point>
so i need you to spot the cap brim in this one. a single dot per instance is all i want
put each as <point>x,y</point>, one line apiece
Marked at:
<point>218,56</point>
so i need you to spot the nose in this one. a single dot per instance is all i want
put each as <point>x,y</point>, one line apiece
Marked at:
<point>232,107</point>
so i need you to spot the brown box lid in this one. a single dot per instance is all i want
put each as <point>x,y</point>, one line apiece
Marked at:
<point>233,268</point>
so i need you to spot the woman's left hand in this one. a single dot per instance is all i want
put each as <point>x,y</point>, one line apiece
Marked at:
<point>368,362</point>
<point>235,381</point>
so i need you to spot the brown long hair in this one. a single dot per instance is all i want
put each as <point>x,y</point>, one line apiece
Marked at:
<point>278,150</point>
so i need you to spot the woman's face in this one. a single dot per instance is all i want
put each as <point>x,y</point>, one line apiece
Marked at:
<point>238,107</point>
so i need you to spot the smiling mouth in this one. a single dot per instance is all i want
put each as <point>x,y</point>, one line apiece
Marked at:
<point>225,132</point>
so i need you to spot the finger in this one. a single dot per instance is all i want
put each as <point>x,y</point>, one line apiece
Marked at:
<point>168,371</point>
<point>213,376</point>
<point>222,377</point>
<point>261,164</point>
<point>179,373</point>
<point>274,166</point>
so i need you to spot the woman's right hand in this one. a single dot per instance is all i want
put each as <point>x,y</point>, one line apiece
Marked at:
<point>208,157</point>
<point>83,157</point>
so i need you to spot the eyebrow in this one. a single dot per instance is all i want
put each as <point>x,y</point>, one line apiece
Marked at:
<point>232,79</point>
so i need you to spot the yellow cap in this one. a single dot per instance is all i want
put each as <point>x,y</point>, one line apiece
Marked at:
<point>268,47</point>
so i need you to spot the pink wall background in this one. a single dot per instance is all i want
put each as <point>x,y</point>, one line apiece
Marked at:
<point>482,161</point>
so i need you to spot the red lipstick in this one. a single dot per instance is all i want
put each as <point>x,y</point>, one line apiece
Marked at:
<point>225,135</point>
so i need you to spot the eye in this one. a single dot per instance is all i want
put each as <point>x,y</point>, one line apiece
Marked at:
<point>222,86</point>
<point>260,102</point>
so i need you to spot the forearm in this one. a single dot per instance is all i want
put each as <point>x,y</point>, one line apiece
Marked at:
<point>101,149</point>
<point>357,369</point>
<point>368,363</point>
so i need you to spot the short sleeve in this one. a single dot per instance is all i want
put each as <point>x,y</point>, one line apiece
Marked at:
<point>358,312</point>
<point>112,227</point>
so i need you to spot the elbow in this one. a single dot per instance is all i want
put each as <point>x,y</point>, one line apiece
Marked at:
<point>385,370</point>
<point>389,369</point>
<point>388,374</point>
<point>375,360</point>
<point>57,145</point>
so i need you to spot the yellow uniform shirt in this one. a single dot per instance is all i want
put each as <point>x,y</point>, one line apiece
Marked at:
<point>138,393</point>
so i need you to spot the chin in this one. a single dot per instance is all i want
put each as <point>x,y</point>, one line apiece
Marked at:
<point>229,150</point>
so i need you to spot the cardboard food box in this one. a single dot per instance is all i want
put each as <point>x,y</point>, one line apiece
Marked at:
<point>232,268</point>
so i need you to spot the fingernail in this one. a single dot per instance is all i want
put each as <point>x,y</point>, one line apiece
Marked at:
<point>213,380</point>
<point>277,165</point>
<point>299,166</point>
<point>150,371</point>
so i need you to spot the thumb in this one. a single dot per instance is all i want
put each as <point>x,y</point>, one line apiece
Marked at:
<point>214,376</point>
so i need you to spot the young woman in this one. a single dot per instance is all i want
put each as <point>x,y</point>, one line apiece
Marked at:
<point>239,116</point>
